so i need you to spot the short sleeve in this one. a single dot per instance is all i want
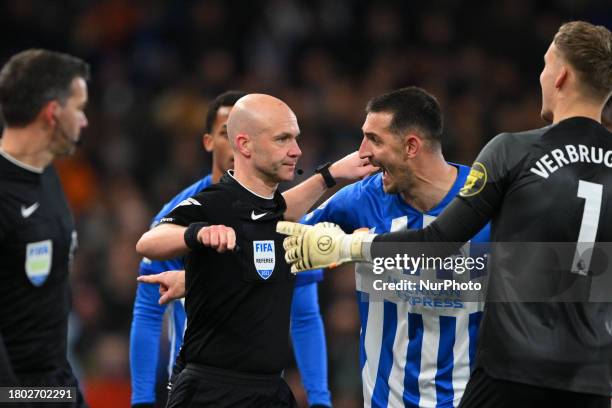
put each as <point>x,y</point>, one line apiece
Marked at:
<point>192,209</point>
<point>336,209</point>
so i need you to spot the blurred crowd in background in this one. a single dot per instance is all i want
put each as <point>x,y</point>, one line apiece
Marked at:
<point>155,66</point>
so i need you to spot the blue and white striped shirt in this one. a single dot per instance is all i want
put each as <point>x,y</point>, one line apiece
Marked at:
<point>414,353</point>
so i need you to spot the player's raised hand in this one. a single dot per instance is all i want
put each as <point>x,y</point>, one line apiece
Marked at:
<point>218,237</point>
<point>320,246</point>
<point>351,168</point>
<point>171,285</point>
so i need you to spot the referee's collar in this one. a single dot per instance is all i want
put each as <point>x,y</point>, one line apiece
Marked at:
<point>231,174</point>
<point>20,163</point>
<point>275,203</point>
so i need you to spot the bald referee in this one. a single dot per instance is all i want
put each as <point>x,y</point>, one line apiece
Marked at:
<point>548,185</point>
<point>239,288</point>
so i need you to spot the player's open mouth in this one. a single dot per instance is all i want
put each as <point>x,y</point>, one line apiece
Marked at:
<point>385,173</point>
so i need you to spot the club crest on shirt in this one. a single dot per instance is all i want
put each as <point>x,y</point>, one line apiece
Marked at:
<point>38,260</point>
<point>264,258</point>
<point>475,181</point>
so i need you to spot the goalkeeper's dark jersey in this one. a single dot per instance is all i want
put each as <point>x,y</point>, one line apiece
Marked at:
<point>547,185</point>
<point>237,302</point>
<point>37,238</point>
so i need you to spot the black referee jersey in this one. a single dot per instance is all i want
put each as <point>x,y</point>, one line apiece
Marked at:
<point>37,240</point>
<point>237,302</point>
<point>550,185</point>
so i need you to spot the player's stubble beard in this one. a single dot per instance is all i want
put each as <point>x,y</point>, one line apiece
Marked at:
<point>401,179</point>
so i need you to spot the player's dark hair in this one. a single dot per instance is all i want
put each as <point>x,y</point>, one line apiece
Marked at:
<point>228,98</point>
<point>32,78</point>
<point>588,48</point>
<point>412,108</point>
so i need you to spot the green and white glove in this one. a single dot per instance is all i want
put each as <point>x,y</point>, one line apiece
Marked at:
<point>322,245</point>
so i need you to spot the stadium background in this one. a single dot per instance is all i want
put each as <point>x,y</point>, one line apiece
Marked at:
<point>155,66</point>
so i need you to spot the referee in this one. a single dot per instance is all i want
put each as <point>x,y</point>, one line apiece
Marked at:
<point>239,288</point>
<point>543,190</point>
<point>42,100</point>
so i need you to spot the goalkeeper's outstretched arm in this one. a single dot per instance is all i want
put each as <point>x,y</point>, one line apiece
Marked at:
<point>457,224</point>
<point>326,245</point>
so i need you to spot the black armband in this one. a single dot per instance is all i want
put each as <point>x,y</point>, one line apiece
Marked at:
<point>191,235</point>
<point>323,170</point>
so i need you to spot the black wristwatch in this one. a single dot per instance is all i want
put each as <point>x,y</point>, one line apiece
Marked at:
<point>323,170</point>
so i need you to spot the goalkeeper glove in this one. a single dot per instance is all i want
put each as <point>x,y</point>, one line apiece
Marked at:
<point>322,245</point>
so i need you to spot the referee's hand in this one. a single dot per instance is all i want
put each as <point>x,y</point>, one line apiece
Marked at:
<point>218,237</point>
<point>171,285</point>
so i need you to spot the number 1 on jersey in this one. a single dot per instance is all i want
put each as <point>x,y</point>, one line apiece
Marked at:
<point>592,194</point>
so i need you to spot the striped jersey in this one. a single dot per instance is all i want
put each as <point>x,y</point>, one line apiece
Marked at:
<point>417,352</point>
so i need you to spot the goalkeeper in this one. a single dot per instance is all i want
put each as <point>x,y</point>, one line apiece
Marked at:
<point>517,182</point>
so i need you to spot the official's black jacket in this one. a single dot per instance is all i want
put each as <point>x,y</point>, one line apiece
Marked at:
<point>550,185</point>
<point>37,238</point>
<point>238,302</point>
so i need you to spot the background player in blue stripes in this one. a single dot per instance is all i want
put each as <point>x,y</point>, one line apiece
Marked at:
<point>307,327</point>
<point>411,355</point>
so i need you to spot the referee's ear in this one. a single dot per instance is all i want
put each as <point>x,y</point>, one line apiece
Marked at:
<point>49,112</point>
<point>242,141</point>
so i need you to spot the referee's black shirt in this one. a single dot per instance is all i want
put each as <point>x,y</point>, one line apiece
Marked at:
<point>238,302</point>
<point>550,185</point>
<point>37,239</point>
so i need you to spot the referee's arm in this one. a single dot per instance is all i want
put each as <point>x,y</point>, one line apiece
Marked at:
<point>165,241</point>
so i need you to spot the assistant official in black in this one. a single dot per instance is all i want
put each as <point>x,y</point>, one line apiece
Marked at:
<point>541,186</point>
<point>42,97</point>
<point>37,237</point>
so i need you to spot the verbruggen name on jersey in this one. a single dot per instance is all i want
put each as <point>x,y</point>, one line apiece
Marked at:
<point>569,154</point>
